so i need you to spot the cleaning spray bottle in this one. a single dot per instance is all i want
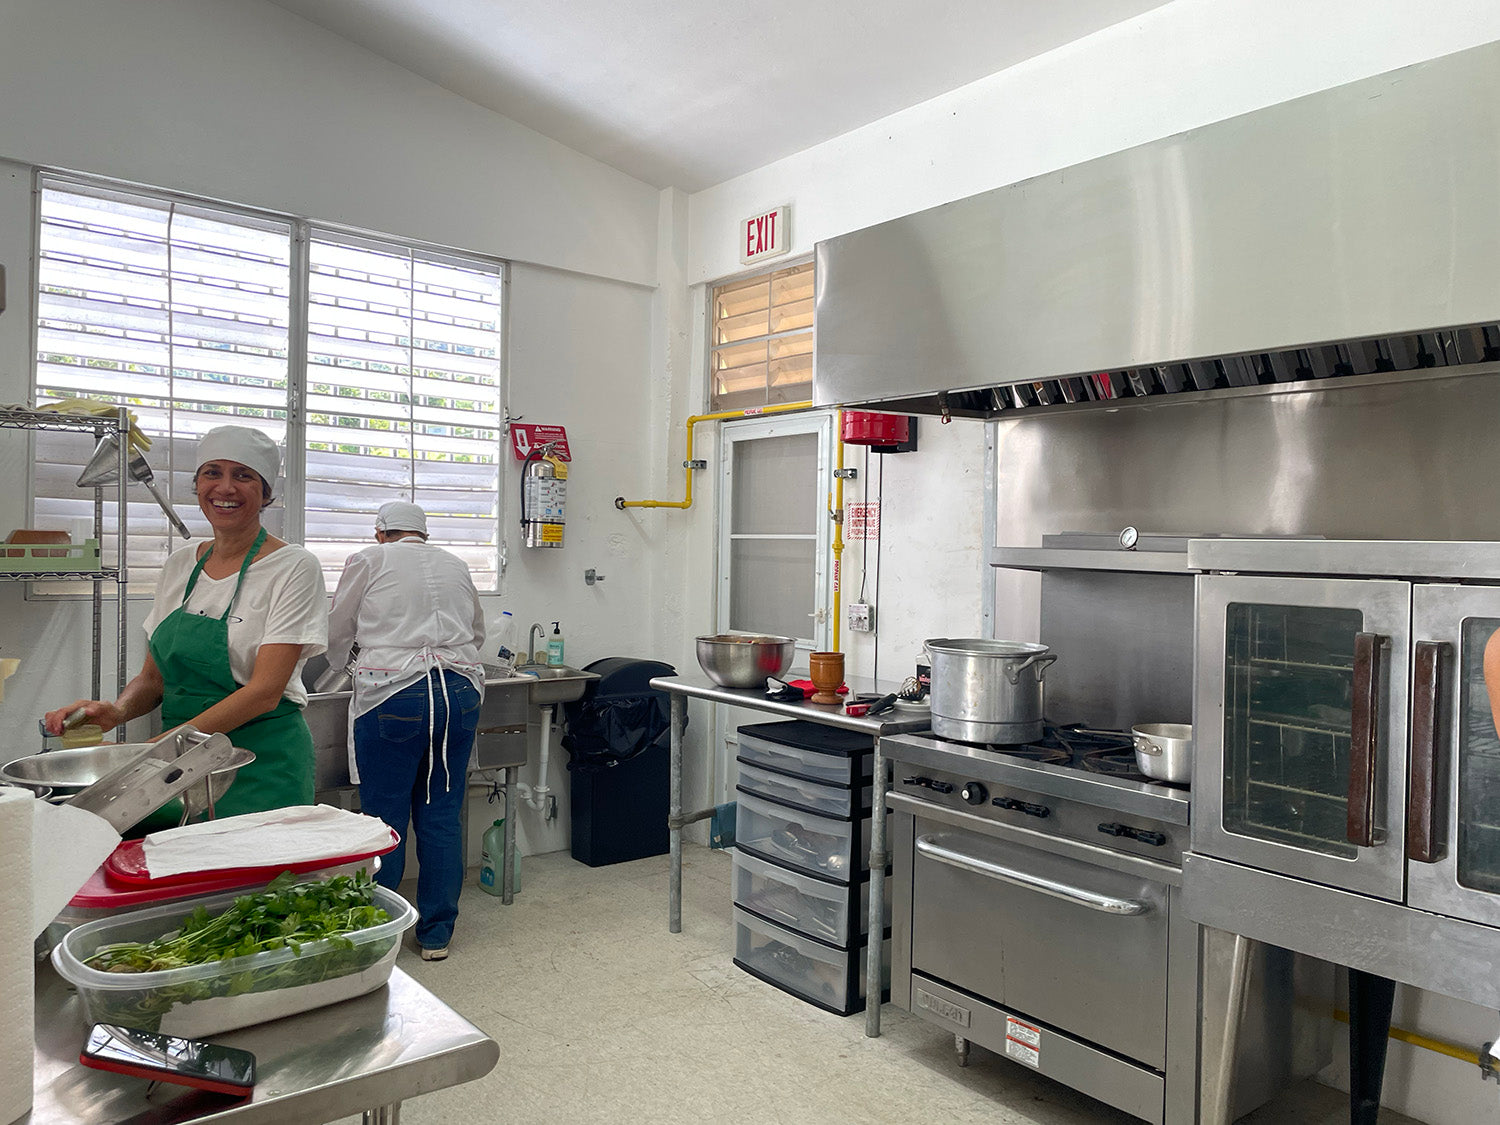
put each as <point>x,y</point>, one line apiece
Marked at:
<point>555,646</point>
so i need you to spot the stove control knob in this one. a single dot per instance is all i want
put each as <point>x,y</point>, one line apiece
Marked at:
<point>973,793</point>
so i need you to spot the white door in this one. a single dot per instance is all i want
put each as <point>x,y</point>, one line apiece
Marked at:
<point>774,529</point>
<point>775,480</point>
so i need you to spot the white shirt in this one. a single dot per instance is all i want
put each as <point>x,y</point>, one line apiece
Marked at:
<point>283,602</point>
<point>412,607</point>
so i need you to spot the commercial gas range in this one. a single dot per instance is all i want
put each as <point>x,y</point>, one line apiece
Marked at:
<point>1035,913</point>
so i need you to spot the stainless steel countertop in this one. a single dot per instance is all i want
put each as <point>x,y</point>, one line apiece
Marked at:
<point>333,1062</point>
<point>829,714</point>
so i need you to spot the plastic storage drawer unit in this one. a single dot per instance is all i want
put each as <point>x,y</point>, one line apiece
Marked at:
<point>836,913</point>
<point>832,979</point>
<point>827,755</point>
<point>810,796</point>
<point>837,850</point>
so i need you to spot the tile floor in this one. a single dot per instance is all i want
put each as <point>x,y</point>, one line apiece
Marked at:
<point>604,1016</point>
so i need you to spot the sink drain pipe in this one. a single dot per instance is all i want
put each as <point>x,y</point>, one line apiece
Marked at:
<point>536,796</point>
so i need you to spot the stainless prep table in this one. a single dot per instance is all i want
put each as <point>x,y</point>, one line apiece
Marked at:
<point>366,1054</point>
<point>828,714</point>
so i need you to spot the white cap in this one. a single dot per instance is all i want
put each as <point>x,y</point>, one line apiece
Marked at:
<point>401,515</point>
<point>251,448</point>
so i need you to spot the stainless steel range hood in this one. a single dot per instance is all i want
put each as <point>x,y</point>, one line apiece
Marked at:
<point>1352,230</point>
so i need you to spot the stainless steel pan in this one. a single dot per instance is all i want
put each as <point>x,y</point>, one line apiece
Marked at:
<point>1164,751</point>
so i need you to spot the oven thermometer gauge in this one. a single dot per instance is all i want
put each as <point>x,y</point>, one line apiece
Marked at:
<point>1129,538</point>
<point>973,793</point>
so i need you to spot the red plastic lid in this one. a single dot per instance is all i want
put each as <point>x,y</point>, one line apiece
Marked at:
<point>123,878</point>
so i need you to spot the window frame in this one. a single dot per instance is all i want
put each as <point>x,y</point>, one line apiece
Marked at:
<point>710,394</point>
<point>291,499</point>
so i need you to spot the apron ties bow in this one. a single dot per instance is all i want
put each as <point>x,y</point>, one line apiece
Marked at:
<point>435,665</point>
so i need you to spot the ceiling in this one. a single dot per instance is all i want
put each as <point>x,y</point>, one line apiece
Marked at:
<point>690,93</point>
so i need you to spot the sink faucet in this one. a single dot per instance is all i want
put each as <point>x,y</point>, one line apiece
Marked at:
<point>537,628</point>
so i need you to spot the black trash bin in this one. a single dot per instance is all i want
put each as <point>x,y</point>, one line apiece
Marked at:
<point>618,740</point>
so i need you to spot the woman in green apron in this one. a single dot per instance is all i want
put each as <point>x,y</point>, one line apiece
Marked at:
<point>233,622</point>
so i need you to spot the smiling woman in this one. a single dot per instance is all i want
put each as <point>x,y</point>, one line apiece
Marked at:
<point>233,622</point>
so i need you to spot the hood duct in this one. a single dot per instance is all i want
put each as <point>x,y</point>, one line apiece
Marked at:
<point>1347,232</point>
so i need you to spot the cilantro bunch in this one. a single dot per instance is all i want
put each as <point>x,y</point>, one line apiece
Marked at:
<point>286,915</point>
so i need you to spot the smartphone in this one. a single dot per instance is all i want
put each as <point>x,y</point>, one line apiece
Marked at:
<point>167,1058</point>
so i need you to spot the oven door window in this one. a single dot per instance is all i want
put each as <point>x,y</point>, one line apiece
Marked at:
<point>1479,758</point>
<point>1288,701</point>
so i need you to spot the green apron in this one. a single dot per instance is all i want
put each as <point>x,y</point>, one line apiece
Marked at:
<point>192,653</point>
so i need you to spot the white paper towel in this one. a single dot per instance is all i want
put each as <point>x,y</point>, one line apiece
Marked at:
<point>67,847</point>
<point>299,834</point>
<point>17,963</point>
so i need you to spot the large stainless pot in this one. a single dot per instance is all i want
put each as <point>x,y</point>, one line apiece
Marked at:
<point>987,691</point>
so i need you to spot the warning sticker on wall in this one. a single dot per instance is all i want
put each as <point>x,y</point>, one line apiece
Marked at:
<point>1023,1042</point>
<point>862,521</point>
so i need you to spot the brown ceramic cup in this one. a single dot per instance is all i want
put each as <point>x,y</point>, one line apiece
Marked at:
<point>827,674</point>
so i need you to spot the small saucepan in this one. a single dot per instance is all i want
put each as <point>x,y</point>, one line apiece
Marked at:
<point>1164,751</point>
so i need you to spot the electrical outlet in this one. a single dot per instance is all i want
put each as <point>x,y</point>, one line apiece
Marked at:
<point>861,617</point>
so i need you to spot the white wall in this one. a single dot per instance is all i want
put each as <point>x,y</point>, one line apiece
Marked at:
<point>1187,64</point>
<point>241,101</point>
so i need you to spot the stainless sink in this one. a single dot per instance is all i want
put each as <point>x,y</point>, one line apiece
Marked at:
<point>554,683</point>
<point>502,718</point>
<point>501,741</point>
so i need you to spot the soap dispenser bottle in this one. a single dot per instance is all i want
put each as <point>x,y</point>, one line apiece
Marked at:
<point>555,646</point>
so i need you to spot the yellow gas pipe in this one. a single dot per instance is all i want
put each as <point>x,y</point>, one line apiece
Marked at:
<point>1427,1043</point>
<point>687,500</point>
<point>838,500</point>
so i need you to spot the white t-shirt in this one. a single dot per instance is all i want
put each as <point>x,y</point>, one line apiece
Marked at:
<point>283,602</point>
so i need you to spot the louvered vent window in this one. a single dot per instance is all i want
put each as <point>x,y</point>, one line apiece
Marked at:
<point>403,396</point>
<point>179,311</point>
<point>183,312</point>
<point>762,340</point>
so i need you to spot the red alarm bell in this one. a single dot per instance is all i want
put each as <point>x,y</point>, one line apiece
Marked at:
<point>887,433</point>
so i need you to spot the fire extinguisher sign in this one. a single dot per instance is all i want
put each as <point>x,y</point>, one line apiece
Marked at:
<point>526,438</point>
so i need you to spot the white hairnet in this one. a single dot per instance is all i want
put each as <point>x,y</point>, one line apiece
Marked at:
<point>249,447</point>
<point>401,515</point>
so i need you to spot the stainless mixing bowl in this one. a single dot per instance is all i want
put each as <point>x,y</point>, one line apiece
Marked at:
<point>738,661</point>
<point>69,772</point>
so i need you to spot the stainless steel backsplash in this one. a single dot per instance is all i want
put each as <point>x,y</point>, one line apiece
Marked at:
<point>1379,457</point>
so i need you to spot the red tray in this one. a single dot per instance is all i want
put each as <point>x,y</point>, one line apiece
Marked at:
<point>127,864</point>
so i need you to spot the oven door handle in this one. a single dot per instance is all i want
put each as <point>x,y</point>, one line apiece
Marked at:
<point>1105,904</point>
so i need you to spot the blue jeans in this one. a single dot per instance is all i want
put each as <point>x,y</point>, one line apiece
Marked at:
<point>392,747</point>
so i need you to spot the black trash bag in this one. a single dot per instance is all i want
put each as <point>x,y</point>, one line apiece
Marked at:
<point>620,717</point>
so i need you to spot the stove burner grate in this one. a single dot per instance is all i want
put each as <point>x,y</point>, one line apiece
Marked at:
<point>1035,752</point>
<point>1114,762</point>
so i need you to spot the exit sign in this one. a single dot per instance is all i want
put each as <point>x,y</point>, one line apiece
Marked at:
<point>765,236</point>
